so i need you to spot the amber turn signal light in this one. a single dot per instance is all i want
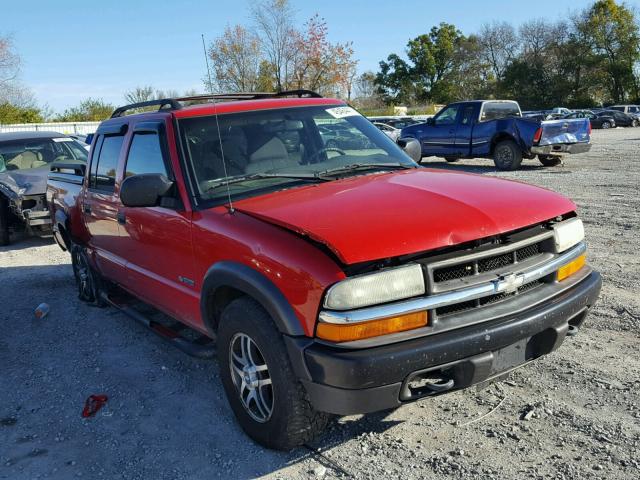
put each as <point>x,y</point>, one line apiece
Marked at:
<point>345,332</point>
<point>572,267</point>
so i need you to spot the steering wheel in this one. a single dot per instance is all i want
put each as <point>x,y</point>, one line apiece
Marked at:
<point>326,149</point>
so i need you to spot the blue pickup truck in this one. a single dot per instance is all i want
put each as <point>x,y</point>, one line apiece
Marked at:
<point>496,129</point>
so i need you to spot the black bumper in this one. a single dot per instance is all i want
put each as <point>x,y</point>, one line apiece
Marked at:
<point>348,382</point>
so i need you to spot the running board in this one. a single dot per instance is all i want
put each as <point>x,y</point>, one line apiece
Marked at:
<point>203,347</point>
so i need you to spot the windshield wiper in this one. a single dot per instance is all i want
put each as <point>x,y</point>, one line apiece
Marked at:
<point>362,166</point>
<point>256,176</point>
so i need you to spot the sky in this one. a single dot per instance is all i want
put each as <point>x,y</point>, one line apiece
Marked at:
<point>72,49</point>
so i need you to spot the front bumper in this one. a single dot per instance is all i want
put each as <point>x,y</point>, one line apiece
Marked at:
<point>348,381</point>
<point>560,148</point>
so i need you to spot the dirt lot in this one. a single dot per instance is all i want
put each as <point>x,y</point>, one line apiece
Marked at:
<point>572,415</point>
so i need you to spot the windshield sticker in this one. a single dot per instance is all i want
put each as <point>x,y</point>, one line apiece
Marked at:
<point>62,139</point>
<point>341,112</point>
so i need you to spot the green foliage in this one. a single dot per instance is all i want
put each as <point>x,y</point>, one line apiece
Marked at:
<point>14,114</point>
<point>89,110</point>
<point>592,59</point>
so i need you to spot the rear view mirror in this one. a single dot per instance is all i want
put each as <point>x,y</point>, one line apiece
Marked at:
<point>144,190</point>
<point>411,147</point>
<point>430,121</point>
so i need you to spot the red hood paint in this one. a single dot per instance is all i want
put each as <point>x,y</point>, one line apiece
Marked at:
<point>390,214</point>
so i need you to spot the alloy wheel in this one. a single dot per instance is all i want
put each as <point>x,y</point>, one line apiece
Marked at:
<point>251,377</point>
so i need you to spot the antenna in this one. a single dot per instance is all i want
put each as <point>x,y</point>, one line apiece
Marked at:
<point>215,113</point>
<point>206,60</point>
<point>224,163</point>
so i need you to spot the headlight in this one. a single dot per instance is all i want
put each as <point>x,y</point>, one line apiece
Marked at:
<point>381,287</point>
<point>568,233</point>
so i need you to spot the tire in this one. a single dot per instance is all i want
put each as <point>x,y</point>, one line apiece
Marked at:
<point>605,125</point>
<point>88,281</point>
<point>549,160</point>
<point>507,155</point>
<point>634,123</point>
<point>331,144</point>
<point>451,159</point>
<point>4,221</point>
<point>277,414</point>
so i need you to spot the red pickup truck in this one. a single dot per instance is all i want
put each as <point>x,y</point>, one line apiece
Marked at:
<point>336,279</point>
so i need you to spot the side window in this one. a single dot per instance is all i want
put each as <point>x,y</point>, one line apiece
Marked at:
<point>447,116</point>
<point>145,155</point>
<point>104,175</point>
<point>467,115</point>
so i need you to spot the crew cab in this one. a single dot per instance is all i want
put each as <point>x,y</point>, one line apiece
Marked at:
<point>496,129</point>
<point>333,281</point>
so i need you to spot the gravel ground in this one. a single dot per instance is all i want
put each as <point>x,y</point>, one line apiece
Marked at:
<point>574,414</point>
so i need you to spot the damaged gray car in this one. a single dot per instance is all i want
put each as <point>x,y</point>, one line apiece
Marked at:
<point>25,159</point>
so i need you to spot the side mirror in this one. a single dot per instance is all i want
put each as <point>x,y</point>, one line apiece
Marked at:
<point>411,147</point>
<point>430,121</point>
<point>144,190</point>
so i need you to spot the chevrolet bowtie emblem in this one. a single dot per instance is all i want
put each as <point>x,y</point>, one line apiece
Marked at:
<point>509,283</point>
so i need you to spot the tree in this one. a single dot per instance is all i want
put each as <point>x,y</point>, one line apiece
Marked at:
<point>498,46</point>
<point>89,110</point>
<point>430,75</point>
<point>274,27</point>
<point>9,63</point>
<point>15,114</point>
<point>613,34</point>
<point>365,92</point>
<point>140,94</point>
<point>319,65</point>
<point>235,59</point>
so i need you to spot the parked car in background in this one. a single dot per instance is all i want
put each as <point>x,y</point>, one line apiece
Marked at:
<point>391,132</point>
<point>395,122</point>
<point>557,112</point>
<point>621,119</point>
<point>25,158</point>
<point>604,121</point>
<point>495,129</point>
<point>629,109</point>
<point>334,282</point>
<point>342,137</point>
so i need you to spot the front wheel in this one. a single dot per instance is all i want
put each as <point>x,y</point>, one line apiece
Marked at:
<point>4,220</point>
<point>606,125</point>
<point>549,160</point>
<point>634,123</point>
<point>507,155</point>
<point>269,402</point>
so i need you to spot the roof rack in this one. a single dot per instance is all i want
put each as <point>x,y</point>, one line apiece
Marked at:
<point>162,103</point>
<point>174,103</point>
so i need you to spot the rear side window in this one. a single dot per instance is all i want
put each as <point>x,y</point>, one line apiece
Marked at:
<point>467,115</point>
<point>494,110</point>
<point>619,109</point>
<point>103,175</point>
<point>145,155</point>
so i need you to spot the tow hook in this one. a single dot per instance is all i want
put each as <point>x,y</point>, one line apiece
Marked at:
<point>573,330</point>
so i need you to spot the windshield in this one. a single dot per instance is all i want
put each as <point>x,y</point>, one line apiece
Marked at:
<point>38,152</point>
<point>273,149</point>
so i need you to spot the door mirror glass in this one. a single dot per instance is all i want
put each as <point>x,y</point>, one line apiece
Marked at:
<point>430,121</point>
<point>144,190</point>
<point>411,147</point>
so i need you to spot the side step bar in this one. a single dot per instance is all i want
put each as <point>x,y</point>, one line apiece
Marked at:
<point>203,347</point>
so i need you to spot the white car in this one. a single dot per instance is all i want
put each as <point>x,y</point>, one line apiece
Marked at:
<point>388,130</point>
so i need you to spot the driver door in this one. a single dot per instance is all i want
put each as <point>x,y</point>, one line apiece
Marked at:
<point>439,138</point>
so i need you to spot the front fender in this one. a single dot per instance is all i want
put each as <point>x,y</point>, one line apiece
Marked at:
<point>251,282</point>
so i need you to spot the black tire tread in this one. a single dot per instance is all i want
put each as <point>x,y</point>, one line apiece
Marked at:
<point>515,165</point>
<point>303,422</point>
<point>4,221</point>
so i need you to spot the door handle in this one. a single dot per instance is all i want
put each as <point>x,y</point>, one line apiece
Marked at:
<point>86,208</point>
<point>121,216</point>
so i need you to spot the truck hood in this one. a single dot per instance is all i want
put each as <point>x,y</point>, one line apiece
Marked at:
<point>17,183</point>
<point>385,215</point>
